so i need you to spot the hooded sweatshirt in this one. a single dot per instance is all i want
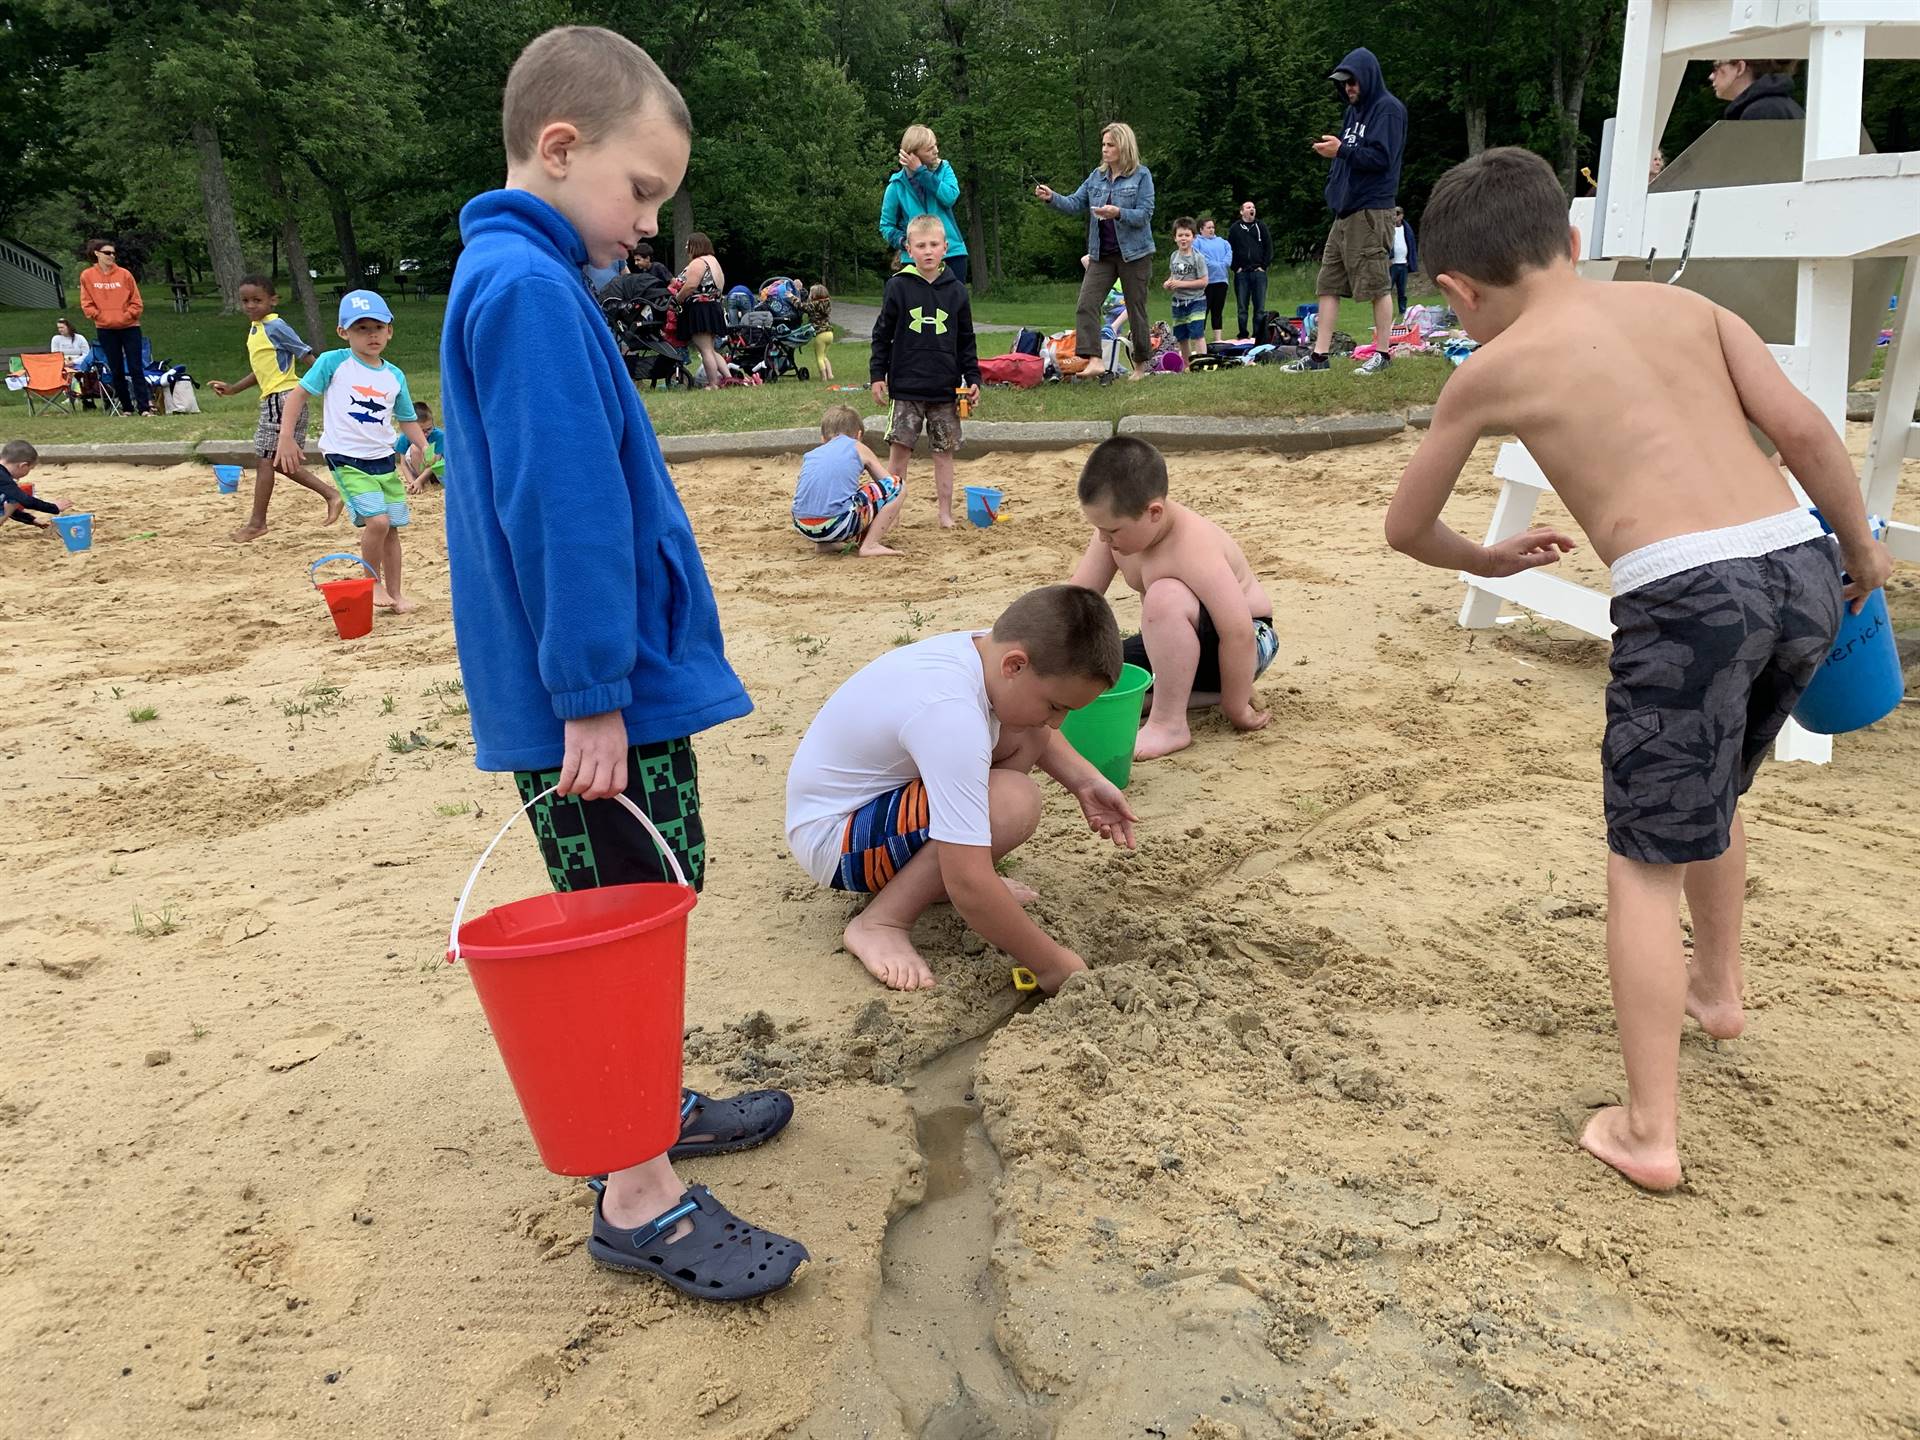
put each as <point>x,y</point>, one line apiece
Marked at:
<point>577,586</point>
<point>923,341</point>
<point>1365,175</point>
<point>930,190</point>
<point>1769,97</point>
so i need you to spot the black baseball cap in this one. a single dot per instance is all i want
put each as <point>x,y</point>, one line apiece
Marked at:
<point>1342,77</point>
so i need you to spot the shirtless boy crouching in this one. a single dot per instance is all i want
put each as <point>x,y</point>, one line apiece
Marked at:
<point>1206,626</point>
<point>1726,594</point>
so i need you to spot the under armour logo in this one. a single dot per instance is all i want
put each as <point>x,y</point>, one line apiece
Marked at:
<point>938,320</point>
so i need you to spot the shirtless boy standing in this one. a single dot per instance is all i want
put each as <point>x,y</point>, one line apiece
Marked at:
<point>1206,626</point>
<point>1725,593</point>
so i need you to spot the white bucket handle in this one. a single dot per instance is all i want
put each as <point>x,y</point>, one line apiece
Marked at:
<point>460,909</point>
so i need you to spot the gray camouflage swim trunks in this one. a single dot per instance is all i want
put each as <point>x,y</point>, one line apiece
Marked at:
<point>1708,663</point>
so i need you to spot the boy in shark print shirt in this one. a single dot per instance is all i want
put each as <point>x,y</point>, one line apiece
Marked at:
<point>362,398</point>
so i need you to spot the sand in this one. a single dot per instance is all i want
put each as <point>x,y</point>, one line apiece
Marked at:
<point>1285,1164</point>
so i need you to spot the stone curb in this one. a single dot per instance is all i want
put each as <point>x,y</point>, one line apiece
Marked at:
<point>154,452</point>
<point>978,437</point>
<point>1289,437</point>
<point>241,452</point>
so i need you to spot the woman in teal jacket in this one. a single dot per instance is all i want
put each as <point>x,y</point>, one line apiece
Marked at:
<point>923,185</point>
<point>1117,200</point>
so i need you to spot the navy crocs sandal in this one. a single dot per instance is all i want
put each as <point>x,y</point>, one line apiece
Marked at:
<point>738,1123</point>
<point>720,1258</point>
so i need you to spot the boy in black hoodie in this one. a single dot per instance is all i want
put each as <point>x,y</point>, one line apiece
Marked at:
<point>1360,191</point>
<point>923,356</point>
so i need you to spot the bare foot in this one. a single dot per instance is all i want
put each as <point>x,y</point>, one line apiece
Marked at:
<point>1154,740</point>
<point>248,532</point>
<point>334,506</point>
<point>888,954</point>
<point>1609,1140</point>
<point>1721,1016</point>
<point>380,597</point>
<point>869,548</point>
<point>946,519</point>
<point>1025,894</point>
<point>404,606</point>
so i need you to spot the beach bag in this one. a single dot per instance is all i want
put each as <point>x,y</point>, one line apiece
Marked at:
<point>180,399</point>
<point>1027,342</point>
<point>1021,371</point>
<point>1060,349</point>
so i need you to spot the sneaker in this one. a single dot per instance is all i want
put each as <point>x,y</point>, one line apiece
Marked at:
<point>1373,364</point>
<point>1305,363</point>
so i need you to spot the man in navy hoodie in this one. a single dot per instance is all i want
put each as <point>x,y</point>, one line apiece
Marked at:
<point>588,635</point>
<point>1360,190</point>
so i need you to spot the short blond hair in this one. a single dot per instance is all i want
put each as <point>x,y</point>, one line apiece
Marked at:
<point>920,224</point>
<point>918,139</point>
<point>842,420</point>
<point>1128,159</point>
<point>589,77</point>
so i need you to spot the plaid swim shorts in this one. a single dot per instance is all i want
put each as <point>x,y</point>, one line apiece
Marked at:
<point>266,433</point>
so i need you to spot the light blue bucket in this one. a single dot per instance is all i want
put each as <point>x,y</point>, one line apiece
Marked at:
<point>1860,681</point>
<point>227,477</point>
<point>983,505</point>
<point>76,531</point>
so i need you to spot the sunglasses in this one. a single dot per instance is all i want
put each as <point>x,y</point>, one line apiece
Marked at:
<point>106,252</point>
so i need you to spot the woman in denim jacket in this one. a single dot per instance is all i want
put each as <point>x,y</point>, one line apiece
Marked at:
<point>1117,200</point>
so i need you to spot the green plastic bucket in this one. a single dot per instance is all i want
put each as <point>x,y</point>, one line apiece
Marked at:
<point>1104,731</point>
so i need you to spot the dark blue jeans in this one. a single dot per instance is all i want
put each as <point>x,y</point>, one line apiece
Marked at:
<point>124,371</point>
<point>1399,273</point>
<point>958,265</point>
<point>1249,287</point>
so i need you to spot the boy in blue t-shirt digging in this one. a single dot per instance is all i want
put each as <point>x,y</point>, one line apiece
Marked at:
<point>588,635</point>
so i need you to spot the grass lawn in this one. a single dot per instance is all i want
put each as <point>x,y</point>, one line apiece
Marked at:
<point>213,346</point>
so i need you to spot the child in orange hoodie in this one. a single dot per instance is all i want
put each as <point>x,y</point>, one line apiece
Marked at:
<point>111,298</point>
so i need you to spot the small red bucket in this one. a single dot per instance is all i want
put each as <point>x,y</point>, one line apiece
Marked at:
<point>584,991</point>
<point>350,602</point>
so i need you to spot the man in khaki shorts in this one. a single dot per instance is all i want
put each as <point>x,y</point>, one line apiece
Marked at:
<point>1360,191</point>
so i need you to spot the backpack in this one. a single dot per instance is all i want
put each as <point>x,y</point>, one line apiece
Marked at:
<point>1021,371</point>
<point>1272,329</point>
<point>1027,342</point>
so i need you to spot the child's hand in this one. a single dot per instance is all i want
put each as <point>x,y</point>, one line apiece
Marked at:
<point>415,483</point>
<point>417,458</point>
<point>220,387</point>
<point>1866,573</point>
<point>1107,812</point>
<point>973,394</point>
<point>1530,549</point>
<point>286,456</point>
<point>595,765</point>
<point>1245,717</point>
<point>879,392</point>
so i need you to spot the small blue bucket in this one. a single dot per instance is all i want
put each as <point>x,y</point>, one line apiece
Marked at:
<point>983,505</point>
<point>76,531</point>
<point>227,477</point>
<point>1859,682</point>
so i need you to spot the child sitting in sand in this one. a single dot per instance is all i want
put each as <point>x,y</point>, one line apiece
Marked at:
<point>845,497</point>
<point>17,459</point>
<point>1206,626</point>
<point>1725,594</point>
<point>274,350</point>
<point>436,466</point>
<point>364,399</point>
<point>913,779</point>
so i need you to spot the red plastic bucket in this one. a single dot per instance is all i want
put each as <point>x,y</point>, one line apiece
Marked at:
<point>349,602</point>
<point>584,991</point>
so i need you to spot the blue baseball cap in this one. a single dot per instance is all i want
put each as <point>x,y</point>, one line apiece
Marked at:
<point>363,305</point>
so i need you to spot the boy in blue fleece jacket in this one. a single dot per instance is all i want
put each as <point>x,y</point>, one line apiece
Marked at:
<point>1361,184</point>
<point>588,635</point>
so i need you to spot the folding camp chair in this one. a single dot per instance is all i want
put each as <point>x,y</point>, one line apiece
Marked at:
<point>49,386</point>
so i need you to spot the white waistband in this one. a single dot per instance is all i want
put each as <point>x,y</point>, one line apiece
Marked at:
<point>1736,542</point>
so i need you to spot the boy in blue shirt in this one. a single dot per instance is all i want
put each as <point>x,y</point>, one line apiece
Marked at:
<point>362,398</point>
<point>587,631</point>
<point>436,468</point>
<point>846,498</point>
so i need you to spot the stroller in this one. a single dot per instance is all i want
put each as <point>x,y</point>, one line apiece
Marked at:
<point>749,349</point>
<point>781,298</point>
<point>637,307</point>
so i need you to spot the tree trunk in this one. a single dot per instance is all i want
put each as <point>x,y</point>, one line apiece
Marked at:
<point>343,234</point>
<point>286,200</point>
<point>223,231</point>
<point>273,256</point>
<point>682,224</point>
<point>1476,114</point>
<point>999,272</point>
